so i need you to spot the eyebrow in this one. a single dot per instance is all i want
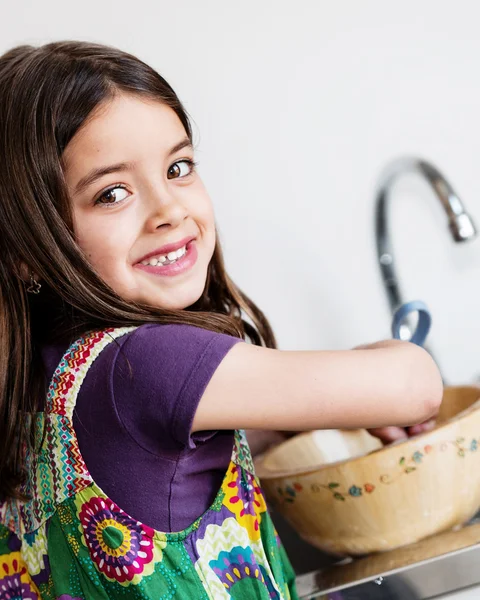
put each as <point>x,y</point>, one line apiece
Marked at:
<point>95,174</point>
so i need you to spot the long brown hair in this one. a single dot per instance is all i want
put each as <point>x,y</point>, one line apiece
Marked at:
<point>46,95</point>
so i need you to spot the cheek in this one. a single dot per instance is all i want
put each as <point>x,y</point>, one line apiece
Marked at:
<point>202,208</point>
<point>107,258</point>
<point>209,225</point>
<point>105,248</point>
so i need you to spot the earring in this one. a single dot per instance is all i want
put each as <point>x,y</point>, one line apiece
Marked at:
<point>34,287</point>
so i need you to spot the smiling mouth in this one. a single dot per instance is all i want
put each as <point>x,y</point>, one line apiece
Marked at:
<point>174,263</point>
<point>165,259</point>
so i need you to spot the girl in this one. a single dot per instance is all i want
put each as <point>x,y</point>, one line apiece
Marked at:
<point>125,378</point>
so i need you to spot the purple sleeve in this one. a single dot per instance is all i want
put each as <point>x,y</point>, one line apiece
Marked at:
<point>158,387</point>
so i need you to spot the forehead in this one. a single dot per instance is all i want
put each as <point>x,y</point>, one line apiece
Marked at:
<point>126,128</point>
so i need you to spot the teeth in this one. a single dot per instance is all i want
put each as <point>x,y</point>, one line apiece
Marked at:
<point>170,257</point>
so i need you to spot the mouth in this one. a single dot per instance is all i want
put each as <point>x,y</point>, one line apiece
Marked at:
<point>171,259</point>
<point>162,254</point>
<point>166,259</point>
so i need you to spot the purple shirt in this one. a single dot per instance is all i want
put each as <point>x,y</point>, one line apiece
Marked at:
<point>133,419</point>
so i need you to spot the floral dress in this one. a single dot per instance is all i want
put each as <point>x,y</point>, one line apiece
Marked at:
<point>69,541</point>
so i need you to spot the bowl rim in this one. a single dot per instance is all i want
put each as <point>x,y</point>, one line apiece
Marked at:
<point>264,473</point>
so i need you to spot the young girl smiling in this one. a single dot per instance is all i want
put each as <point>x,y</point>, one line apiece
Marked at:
<point>126,382</point>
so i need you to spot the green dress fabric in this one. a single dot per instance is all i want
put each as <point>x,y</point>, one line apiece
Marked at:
<point>71,542</point>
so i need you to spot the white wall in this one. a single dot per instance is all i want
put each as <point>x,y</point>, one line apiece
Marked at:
<point>298,107</point>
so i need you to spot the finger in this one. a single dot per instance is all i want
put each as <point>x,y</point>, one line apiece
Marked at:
<point>389,434</point>
<point>421,427</point>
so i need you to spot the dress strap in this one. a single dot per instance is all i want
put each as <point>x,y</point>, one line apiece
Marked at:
<point>241,454</point>
<point>70,373</point>
<point>57,471</point>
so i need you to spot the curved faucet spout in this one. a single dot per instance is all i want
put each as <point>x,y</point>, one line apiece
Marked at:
<point>460,223</point>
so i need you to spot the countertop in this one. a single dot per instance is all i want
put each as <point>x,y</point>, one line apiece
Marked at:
<point>438,565</point>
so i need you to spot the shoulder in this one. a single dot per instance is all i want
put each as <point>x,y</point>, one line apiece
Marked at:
<point>160,374</point>
<point>143,346</point>
<point>173,332</point>
<point>163,353</point>
<point>152,341</point>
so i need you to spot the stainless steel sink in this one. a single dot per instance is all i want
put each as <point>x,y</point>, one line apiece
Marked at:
<point>444,563</point>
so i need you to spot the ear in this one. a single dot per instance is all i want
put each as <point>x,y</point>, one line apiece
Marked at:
<point>24,272</point>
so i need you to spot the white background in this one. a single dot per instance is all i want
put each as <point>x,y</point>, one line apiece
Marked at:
<point>297,107</point>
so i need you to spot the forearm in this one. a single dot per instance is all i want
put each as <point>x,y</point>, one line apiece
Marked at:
<point>257,388</point>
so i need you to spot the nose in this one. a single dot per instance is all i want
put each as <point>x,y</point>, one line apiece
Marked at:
<point>165,208</point>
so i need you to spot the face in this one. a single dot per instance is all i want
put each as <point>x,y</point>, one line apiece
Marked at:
<point>141,213</point>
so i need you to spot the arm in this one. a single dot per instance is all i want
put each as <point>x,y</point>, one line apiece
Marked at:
<point>386,383</point>
<point>391,433</point>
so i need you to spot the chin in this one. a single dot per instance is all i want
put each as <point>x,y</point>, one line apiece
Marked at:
<point>177,301</point>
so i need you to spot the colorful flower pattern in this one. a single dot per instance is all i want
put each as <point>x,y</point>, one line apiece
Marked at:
<point>244,498</point>
<point>122,548</point>
<point>72,542</point>
<point>237,564</point>
<point>34,553</point>
<point>225,567</point>
<point>15,581</point>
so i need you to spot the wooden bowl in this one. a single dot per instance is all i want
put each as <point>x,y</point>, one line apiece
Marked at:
<point>391,497</point>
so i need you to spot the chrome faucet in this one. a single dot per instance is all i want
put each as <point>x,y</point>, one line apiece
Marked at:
<point>460,223</point>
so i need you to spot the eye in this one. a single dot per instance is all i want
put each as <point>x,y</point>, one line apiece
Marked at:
<point>181,168</point>
<point>113,195</point>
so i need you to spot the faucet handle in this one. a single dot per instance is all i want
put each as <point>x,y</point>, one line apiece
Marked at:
<point>423,325</point>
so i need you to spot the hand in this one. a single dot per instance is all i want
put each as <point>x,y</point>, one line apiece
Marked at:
<point>393,434</point>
